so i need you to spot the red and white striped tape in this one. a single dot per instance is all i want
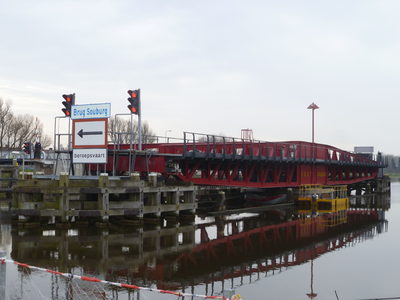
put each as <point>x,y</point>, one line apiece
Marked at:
<point>123,285</point>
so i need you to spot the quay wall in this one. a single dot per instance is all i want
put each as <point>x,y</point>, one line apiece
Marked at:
<point>68,199</point>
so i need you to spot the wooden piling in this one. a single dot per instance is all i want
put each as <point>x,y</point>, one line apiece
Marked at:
<point>70,199</point>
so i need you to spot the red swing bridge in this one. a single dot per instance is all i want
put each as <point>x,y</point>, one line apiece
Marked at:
<point>209,160</point>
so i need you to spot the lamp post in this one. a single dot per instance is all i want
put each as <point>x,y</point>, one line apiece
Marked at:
<point>169,130</point>
<point>313,106</point>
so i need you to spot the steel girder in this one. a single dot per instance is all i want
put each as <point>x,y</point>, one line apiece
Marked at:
<point>269,174</point>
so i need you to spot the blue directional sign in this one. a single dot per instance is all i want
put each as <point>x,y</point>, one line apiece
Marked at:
<point>91,111</point>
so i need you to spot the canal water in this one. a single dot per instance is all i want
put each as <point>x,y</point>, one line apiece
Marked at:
<point>281,254</point>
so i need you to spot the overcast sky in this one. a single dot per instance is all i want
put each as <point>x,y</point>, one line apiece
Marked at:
<point>213,67</point>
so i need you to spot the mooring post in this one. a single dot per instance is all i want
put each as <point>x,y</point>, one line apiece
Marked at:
<point>103,198</point>
<point>14,172</point>
<point>64,197</point>
<point>152,179</point>
<point>368,189</point>
<point>221,205</point>
<point>3,268</point>
<point>289,195</point>
<point>135,176</point>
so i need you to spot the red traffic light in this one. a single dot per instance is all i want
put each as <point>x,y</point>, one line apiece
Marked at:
<point>27,148</point>
<point>133,94</point>
<point>67,98</point>
<point>69,101</point>
<point>134,101</point>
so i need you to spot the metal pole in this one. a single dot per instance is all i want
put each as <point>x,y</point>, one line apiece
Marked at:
<point>3,268</point>
<point>165,136</point>
<point>313,125</point>
<point>130,147</point>
<point>313,106</point>
<point>54,149</point>
<point>140,122</point>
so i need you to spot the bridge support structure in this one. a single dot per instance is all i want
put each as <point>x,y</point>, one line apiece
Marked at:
<point>100,199</point>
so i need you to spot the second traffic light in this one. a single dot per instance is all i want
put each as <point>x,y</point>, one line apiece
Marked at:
<point>134,101</point>
<point>69,101</point>
<point>36,152</point>
<point>27,148</point>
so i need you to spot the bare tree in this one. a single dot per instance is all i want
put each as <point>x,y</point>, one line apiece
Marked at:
<point>18,129</point>
<point>21,130</point>
<point>120,130</point>
<point>5,120</point>
<point>148,134</point>
<point>45,140</point>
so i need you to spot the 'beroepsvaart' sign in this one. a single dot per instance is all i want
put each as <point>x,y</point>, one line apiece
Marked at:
<point>90,156</point>
<point>91,111</point>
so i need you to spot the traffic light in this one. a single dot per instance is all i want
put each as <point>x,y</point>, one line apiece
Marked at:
<point>69,101</point>
<point>134,99</point>
<point>27,148</point>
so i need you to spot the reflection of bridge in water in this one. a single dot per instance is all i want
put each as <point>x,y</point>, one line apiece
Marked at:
<point>178,257</point>
<point>272,248</point>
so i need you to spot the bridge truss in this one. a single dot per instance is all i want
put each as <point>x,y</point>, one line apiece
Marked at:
<point>220,161</point>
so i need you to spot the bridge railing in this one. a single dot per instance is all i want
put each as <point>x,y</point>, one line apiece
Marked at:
<point>197,145</point>
<point>213,147</point>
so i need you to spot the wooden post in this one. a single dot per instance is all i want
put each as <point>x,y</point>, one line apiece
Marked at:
<point>104,197</point>
<point>221,201</point>
<point>64,197</point>
<point>152,179</point>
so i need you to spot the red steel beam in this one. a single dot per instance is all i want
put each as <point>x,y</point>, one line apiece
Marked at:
<point>252,164</point>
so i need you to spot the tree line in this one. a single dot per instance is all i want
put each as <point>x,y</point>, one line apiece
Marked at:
<point>15,129</point>
<point>119,130</point>
<point>393,164</point>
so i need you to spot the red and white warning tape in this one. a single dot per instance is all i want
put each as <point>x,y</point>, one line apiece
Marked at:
<point>123,285</point>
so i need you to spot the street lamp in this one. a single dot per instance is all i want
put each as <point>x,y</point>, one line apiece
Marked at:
<point>23,161</point>
<point>313,106</point>
<point>166,134</point>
